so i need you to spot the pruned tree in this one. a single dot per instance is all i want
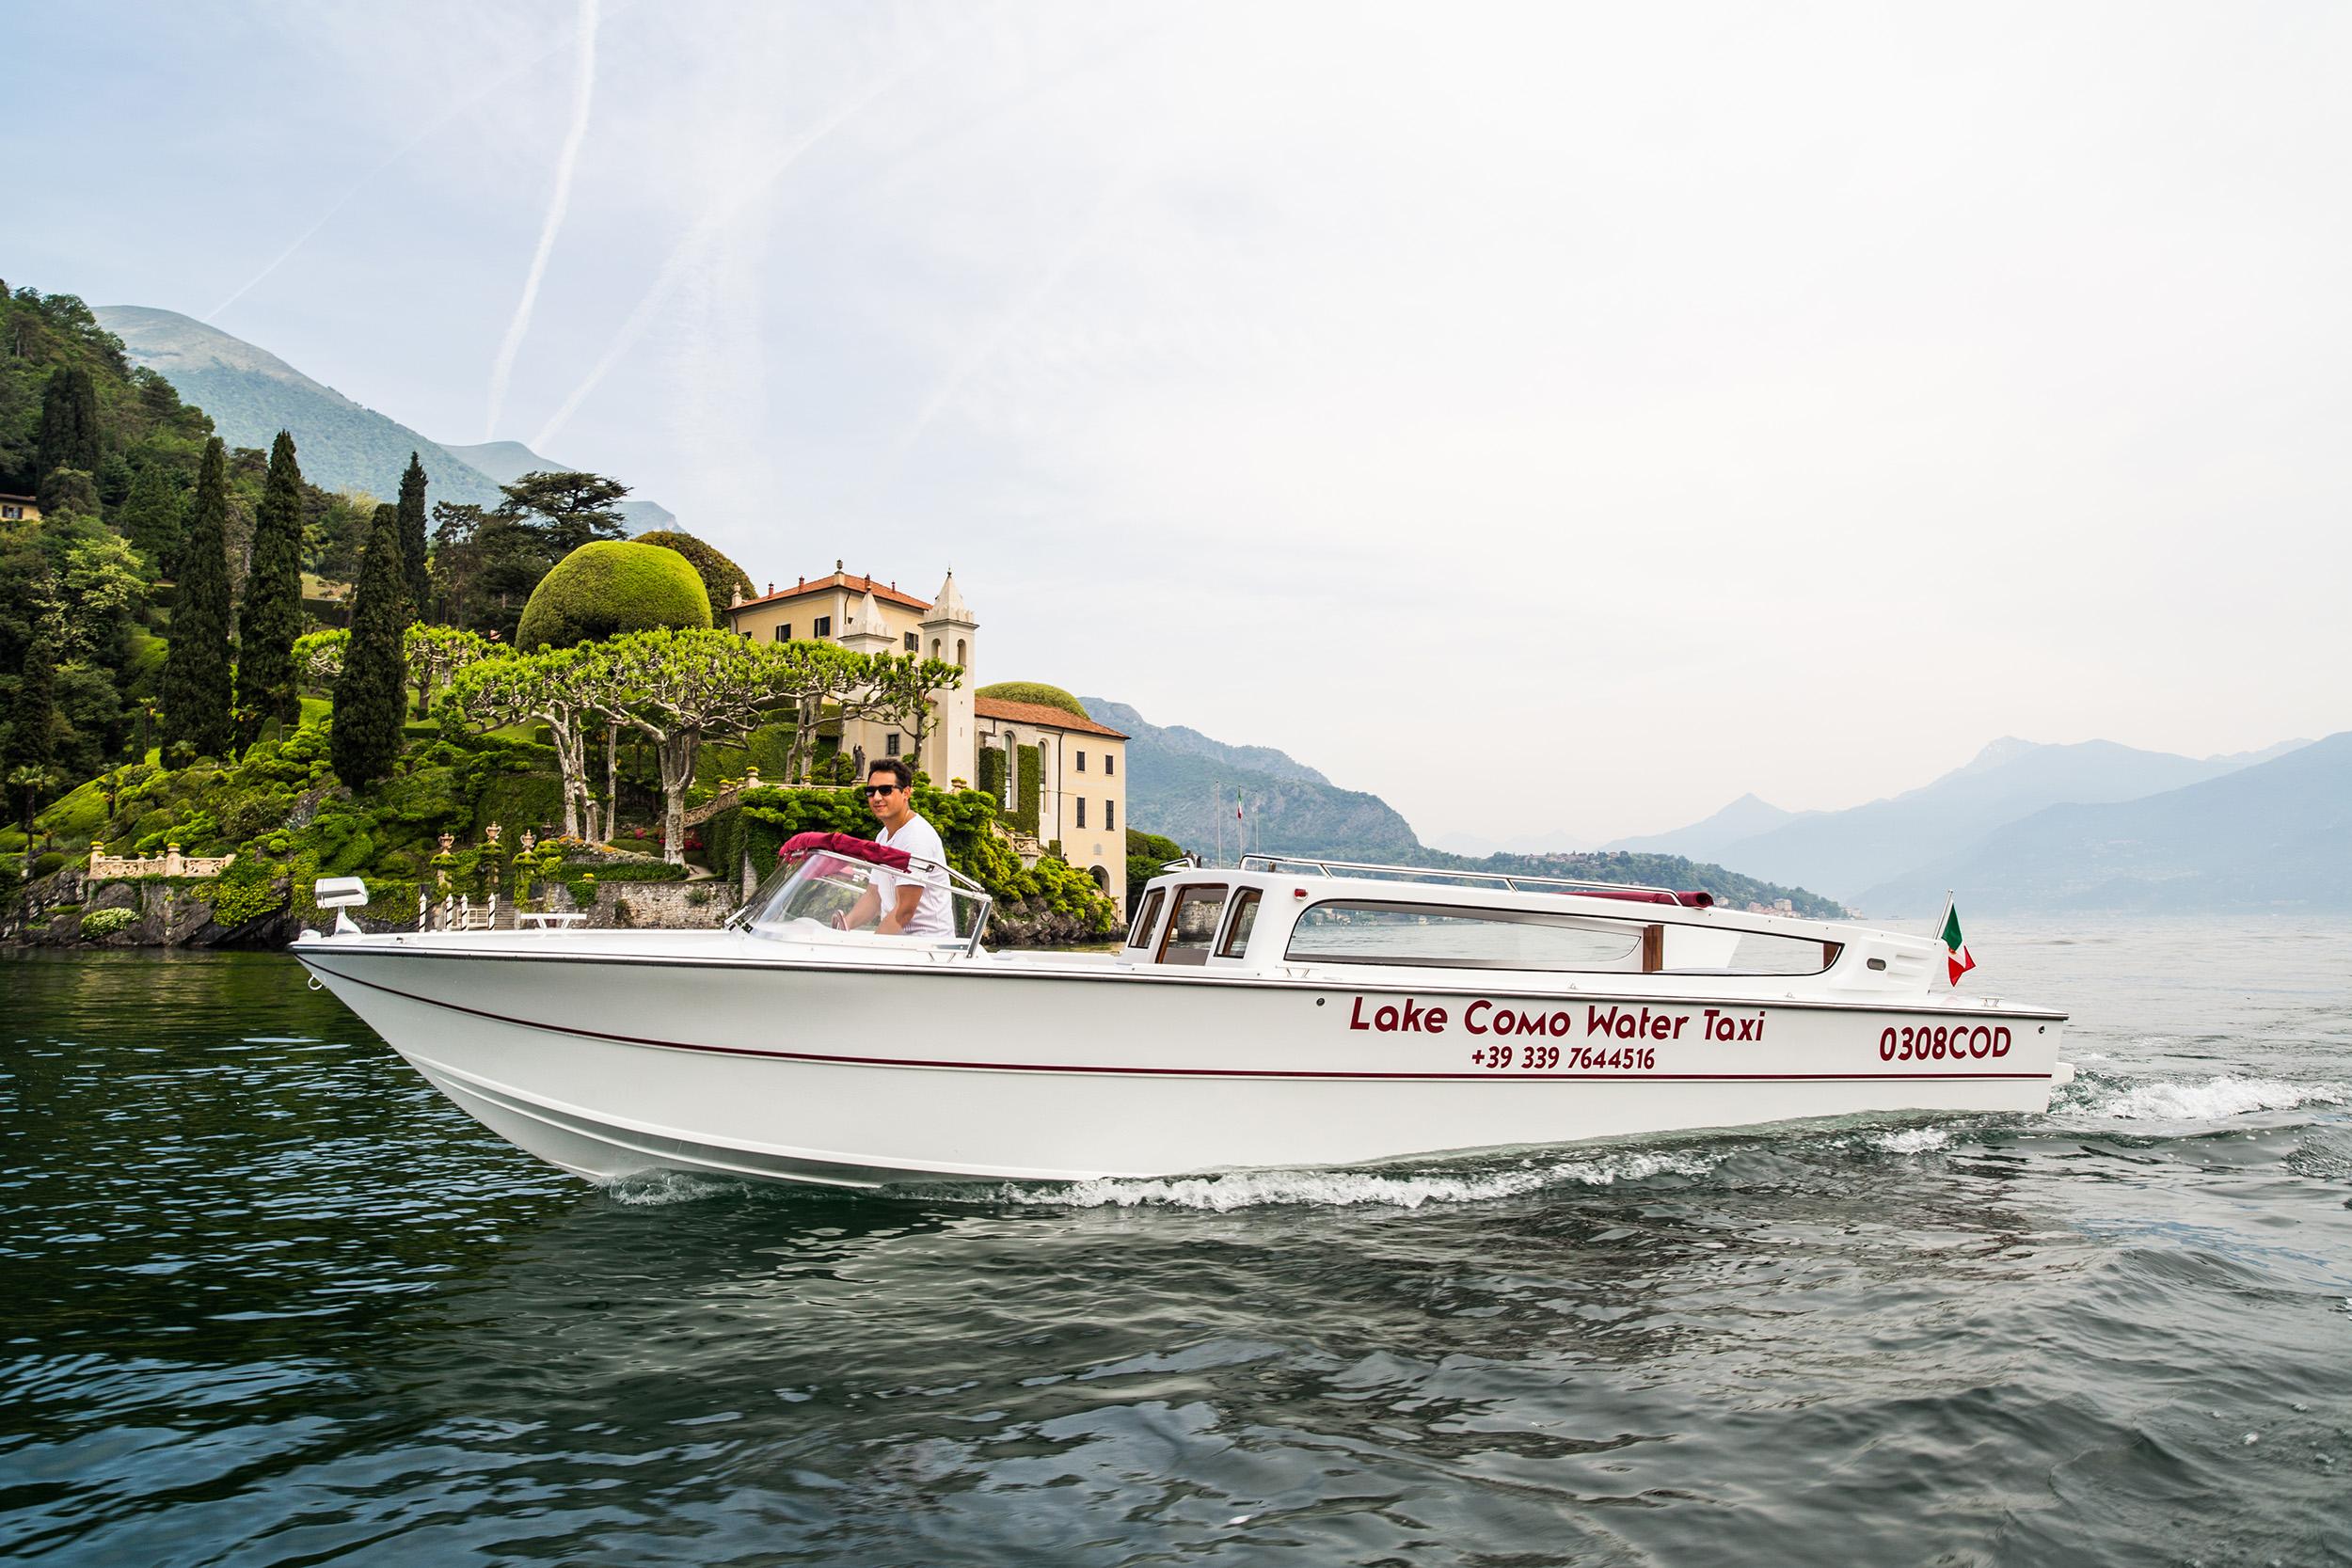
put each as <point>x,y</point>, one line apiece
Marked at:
<point>150,518</point>
<point>559,688</point>
<point>811,676</point>
<point>679,689</point>
<point>318,658</point>
<point>436,653</point>
<point>898,689</point>
<point>370,701</point>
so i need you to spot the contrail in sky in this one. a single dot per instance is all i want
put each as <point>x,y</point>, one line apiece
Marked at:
<point>715,222</point>
<point>583,98</point>
<point>368,179</point>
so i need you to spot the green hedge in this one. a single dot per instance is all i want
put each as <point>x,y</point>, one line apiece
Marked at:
<point>1024,810</point>
<point>1033,691</point>
<point>992,772</point>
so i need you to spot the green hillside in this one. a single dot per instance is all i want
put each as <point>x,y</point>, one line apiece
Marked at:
<point>252,394</point>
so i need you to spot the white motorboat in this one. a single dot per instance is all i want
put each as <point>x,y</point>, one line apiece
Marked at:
<point>1286,1013</point>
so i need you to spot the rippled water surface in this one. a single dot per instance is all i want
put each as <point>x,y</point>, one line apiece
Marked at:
<point>268,1299</point>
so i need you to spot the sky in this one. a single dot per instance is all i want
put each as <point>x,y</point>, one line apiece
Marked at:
<point>1634,407</point>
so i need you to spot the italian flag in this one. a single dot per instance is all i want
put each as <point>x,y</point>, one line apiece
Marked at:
<point>1955,946</point>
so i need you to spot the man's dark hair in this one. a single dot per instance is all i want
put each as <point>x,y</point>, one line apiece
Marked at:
<point>894,768</point>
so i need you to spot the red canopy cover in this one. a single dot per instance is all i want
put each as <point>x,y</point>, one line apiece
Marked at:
<point>1643,895</point>
<point>845,845</point>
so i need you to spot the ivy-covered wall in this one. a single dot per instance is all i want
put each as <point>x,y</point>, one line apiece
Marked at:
<point>1032,791</point>
<point>992,772</point>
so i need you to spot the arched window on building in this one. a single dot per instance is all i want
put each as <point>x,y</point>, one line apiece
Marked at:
<point>959,658</point>
<point>934,647</point>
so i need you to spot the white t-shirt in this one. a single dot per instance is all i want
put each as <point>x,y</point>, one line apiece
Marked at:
<point>932,916</point>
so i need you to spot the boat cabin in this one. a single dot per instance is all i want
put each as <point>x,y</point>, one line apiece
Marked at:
<point>1298,918</point>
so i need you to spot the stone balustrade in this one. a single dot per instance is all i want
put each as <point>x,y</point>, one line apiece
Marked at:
<point>171,863</point>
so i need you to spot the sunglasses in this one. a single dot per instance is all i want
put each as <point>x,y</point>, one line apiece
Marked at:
<point>869,791</point>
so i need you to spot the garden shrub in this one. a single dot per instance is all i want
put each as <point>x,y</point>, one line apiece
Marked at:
<point>1033,691</point>
<point>608,587</point>
<point>105,923</point>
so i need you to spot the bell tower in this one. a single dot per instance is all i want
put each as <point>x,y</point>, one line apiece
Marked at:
<point>950,634</point>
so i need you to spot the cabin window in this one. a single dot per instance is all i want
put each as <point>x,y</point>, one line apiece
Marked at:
<point>1110,816</point>
<point>1081,762</point>
<point>1237,929</point>
<point>1192,924</point>
<point>1082,811</point>
<point>1442,936</point>
<point>915,643</point>
<point>824,626</point>
<point>784,631</point>
<point>1450,937</point>
<point>1110,763</point>
<point>891,743</point>
<point>1139,935</point>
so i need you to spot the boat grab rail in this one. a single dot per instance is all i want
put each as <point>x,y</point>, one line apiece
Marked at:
<point>1432,874</point>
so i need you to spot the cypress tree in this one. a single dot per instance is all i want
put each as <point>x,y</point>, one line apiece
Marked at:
<point>271,617</point>
<point>196,666</point>
<point>419,586</point>
<point>370,695</point>
<point>32,727</point>
<point>151,517</point>
<point>69,423</point>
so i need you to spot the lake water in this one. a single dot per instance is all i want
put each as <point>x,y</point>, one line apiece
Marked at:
<point>269,1300</point>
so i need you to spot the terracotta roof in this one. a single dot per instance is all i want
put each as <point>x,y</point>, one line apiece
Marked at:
<point>1042,716</point>
<point>839,579</point>
<point>5,496</point>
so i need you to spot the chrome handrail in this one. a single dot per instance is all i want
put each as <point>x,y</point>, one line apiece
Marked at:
<point>1428,874</point>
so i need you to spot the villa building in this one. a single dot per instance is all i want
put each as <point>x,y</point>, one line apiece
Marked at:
<point>1078,765</point>
<point>19,509</point>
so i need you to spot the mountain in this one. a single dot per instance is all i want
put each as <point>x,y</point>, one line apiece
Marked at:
<point>1843,853</point>
<point>504,462</point>
<point>252,394</point>
<point>1476,847</point>
<point>1706,840</point>
<point>2275,835</point>
<point>1183,784</point>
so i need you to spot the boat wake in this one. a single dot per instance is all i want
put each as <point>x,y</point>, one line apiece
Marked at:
<point>1352,1189</point>
<point>2216,1098</point>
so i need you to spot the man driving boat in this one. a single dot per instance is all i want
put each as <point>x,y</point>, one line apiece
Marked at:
<point>913,902</point>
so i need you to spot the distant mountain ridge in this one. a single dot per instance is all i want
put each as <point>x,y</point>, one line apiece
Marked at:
<point>252,394</point>
<point>2273,835</point>
<point>1844,852</point>
<point>1184,784</point>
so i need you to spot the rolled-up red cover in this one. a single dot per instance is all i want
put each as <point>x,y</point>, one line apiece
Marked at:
<point>847,847</point>
<point>1642,895</point>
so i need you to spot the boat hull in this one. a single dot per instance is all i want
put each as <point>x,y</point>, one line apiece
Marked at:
<point>704,1059</point>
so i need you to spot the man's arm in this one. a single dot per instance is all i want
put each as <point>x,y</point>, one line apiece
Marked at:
<point>910,895</point>
<point>859,912</point>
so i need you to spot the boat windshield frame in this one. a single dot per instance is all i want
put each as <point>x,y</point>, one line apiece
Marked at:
<point>795,869</point>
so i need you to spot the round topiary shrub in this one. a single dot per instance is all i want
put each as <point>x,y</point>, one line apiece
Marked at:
<point>1033,691</point>
<point>609,587</point>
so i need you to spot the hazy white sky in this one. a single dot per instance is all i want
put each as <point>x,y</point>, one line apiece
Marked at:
<point>1656,403</point>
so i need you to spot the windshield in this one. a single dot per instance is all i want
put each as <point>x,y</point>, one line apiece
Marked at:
<point>810,891</point>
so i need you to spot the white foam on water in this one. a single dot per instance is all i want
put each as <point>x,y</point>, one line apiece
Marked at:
<point>653,1188</point>
<point>1911,1140</point>
<point>2214,1100</point>
<point>1348,1189</point>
